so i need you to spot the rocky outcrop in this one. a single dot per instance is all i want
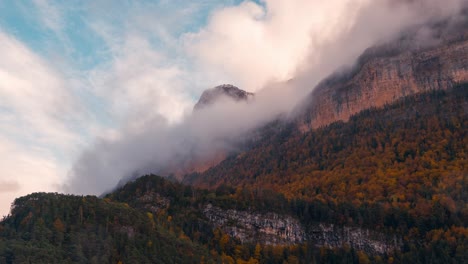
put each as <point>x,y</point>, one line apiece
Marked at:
<point>276,229</point>
<point>329,235</point>
<point>269,228</point>
<point>385,74</point>
<point>210,96</point>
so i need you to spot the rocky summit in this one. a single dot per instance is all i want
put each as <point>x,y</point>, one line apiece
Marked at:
<point>210,96</point>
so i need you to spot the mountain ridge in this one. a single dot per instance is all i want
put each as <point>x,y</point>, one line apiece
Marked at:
<point>384,74</point>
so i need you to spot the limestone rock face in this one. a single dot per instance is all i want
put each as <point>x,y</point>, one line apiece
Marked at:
<point>385,74</point>
<point>269,228</point>
<point>276,229</point>
<point>329,235</point>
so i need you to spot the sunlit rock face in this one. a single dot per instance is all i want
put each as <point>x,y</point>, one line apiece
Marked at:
<point>386,73</point>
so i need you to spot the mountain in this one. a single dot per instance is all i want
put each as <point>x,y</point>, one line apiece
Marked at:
<point>386,186</point>
<point>210,96</point>
<point>385,73</point>
<point>365,123</point>
<point>378,156</point>
<point>199,161</point>
<point>373,169</point>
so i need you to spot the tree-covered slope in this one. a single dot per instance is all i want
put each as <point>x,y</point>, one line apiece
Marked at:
<point>153,220</point>
<point>410,155</point>
<point>54,228</point>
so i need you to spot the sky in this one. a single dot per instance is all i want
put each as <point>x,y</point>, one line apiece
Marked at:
<point>94,91</point>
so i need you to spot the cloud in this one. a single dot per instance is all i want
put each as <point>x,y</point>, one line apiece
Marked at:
<point>38,114</point>
<point>33,97</point>
<point>26,169</point>
<point>266,43</point>
<point>257,44</point>
<point>141,82</point>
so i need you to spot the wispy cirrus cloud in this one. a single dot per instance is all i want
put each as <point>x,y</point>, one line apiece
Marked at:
<point>50,15</point>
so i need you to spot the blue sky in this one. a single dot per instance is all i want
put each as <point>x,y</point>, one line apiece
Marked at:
<point>65,28</point>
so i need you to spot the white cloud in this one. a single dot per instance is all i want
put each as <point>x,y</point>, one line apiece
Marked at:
<point>37,112</point>
<point>33,96</point>
<point>141,82</point>
<point>257,44</point>
<point>24,170</point>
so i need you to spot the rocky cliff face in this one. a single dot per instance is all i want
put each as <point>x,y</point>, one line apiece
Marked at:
<point>269,228</point>
<point>275,229</point>
<point>329,235</point>
<point>387,73</point>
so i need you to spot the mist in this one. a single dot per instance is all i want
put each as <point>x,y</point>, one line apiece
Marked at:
<point>315,42</point>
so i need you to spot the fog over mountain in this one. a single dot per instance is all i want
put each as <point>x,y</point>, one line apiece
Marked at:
<point>278,49</point>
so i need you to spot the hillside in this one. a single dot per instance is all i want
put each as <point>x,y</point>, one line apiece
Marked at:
<point>409,155</point>
<point>55,228</point>
<point>153,220</point>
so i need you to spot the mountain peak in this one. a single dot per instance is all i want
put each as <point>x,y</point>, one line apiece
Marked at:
<point>210,96</point>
